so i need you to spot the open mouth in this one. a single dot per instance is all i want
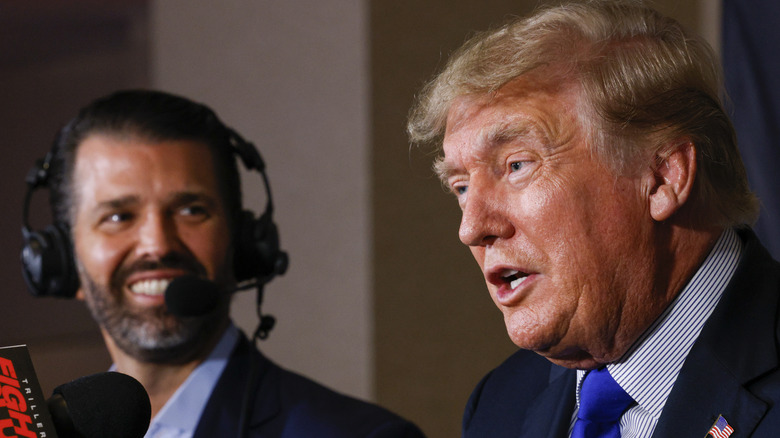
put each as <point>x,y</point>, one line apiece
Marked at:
<point>152,287</point>
<point>514,277</point>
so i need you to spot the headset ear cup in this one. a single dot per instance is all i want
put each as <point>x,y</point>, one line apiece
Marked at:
<point>48,267</point>
<point>251,259</point>
<point>257,248</point>
<point>267,245</point>
<point>243,258</point>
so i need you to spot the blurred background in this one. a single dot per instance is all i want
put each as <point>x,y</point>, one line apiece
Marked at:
<point>381,300</point>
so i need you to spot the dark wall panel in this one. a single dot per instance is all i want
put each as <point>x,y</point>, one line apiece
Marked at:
<point>54,58</point>
<point>430,354</point>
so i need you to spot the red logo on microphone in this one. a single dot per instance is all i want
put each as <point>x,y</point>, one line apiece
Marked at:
<point>23,411</point>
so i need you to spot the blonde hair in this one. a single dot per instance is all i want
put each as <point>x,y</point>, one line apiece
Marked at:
<point>645,82</point>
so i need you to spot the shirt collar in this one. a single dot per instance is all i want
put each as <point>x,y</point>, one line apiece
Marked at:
<point>649,369</point>
<point>184,408</point>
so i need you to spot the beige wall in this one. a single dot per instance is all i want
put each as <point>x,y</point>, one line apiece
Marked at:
<point>292,77</point>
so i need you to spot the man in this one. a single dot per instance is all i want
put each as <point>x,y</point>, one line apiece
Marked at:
<point>604,198</point>
<point>146,184</point>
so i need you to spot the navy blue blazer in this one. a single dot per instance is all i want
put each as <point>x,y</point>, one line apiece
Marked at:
<point>287,405</point>
<point>732,370</point>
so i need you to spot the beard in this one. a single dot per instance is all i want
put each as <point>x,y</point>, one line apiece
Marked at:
<point>153,334</point>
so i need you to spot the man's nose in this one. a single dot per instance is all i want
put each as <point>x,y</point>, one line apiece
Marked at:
<point>157,236</point>
<point>484,217</point>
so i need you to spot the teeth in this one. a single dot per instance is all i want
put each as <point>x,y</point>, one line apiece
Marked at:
<point>153,287</point>
<point>516,282</point>
<point>514,277</point>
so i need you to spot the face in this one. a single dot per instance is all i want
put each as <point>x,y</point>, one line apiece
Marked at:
<point>145,213</point>
<point>562,241</point>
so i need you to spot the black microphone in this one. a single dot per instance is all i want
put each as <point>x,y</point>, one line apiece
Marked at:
<point>101,405</point>
<point>188,296</point>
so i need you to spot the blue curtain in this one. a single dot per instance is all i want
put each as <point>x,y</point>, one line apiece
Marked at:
<point>751,63</point>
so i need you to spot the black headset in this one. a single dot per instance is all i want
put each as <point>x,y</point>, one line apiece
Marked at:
<point>48,262</point>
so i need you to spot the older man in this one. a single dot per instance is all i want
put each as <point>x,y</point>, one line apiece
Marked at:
<point>604,198</point>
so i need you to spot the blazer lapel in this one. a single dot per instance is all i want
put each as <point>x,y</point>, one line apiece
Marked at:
<point>551,412</point>
<point>705,390</point>
<point>735,350</point>
<point>223,410</point>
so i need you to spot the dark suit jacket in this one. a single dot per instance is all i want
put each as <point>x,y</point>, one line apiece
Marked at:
<point>287,405</point>
<point>732,370</point>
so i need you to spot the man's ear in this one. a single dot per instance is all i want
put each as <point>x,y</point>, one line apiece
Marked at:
<point>673,176</point>
<point>80,294</point>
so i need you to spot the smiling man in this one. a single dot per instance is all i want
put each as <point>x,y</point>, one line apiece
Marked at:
<point>146,213</point>
<point>604,199</point>
<point>147,186</point>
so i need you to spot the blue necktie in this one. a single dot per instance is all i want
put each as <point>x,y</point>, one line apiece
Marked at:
<point>602,403</point>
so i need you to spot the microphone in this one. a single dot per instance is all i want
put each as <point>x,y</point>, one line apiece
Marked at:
<point>100,405</point>
<point>189,296</point>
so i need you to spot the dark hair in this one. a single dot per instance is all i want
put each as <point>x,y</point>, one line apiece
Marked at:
<point>151,115</point>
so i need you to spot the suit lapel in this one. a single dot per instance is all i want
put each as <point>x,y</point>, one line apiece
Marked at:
<point>223,410</point>
<point>550,413</point>
<point>703,391</point>
<point>736,348</point>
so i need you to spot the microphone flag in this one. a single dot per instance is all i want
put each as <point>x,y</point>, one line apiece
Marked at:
<point>23,410</point>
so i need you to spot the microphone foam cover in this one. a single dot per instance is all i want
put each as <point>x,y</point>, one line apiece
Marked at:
<point>107,404</point>
<point>188,296</point>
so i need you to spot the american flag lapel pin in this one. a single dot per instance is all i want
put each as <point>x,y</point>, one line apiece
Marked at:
<point>721,428</point>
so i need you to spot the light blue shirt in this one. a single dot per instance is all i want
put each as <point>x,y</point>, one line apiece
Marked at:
<point>181,414</point>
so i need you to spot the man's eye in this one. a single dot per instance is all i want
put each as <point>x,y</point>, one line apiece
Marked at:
<point>517,165</point>
<point>114,222</point>
<point>458,189</point>
<point>194,210</point>
<point>117,217</point>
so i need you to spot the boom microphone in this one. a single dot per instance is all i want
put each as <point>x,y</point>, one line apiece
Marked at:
<point>188,296</point>
<point>101,405</point>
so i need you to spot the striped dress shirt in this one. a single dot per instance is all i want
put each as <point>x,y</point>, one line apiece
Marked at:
<point>648,370</point>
